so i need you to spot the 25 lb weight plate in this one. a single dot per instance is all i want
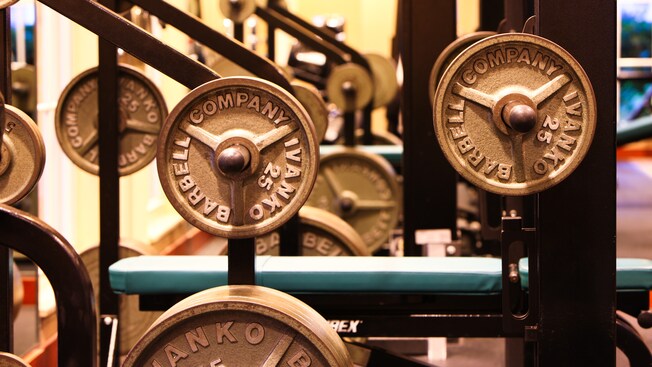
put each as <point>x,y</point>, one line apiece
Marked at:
<point>22,156</point>
<point>514,114</point>
<point>360,188</point>
<point>240,326</point>
<point>238,157</point>
<point>142,111</point>
<point>322,234</point>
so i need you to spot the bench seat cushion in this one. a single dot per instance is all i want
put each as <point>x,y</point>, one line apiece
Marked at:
<point>631,273</point>
<point>190,274</point>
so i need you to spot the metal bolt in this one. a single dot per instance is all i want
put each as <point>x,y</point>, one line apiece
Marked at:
<point>519,116</point>
<point>233,159</point>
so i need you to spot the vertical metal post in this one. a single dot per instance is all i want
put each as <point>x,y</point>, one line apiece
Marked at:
<point>242,261</point>
<point>429,181</point>
<point>491,13</point>
<point>577,218</point>
<point>109,187</point>
<point>6,256</point>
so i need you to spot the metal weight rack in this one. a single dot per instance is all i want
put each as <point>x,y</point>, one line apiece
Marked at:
<point>576,292</point>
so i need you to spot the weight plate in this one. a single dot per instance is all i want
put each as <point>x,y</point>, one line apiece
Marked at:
<point>238,157</point>
<point>350,87</point>
<point>240,326</point>
<point>322,234</point>
<point>449,54</point>
<point>314,104</point>
<point>237,10</point>
<point>133,323</point>
<point>383,72</point>
<point>360,188</point>
<point>142,111</point>
<point>515,114</point>
<point>23,88</point>
<point>22,157</point>
<point>10,360</point>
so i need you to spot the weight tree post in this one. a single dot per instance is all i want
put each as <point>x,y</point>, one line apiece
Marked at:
<point>577,218</point>
<point>430,196</point>
<point>6,256</point>
<point>109,190</point>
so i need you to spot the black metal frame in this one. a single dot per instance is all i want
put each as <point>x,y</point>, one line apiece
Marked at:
<point>576,321</point>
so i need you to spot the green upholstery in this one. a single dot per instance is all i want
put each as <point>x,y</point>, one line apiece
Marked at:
<point>189,274</point>
<point>445,275</point>
<point>631,274</point>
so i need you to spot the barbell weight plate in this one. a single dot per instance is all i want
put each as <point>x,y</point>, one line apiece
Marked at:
<point>514,114</point>
<point>237,10</point>
<point>142,112</point>
<point>322,234</point>
<point>23,88</point>
<point>22,157</point>
<point>133,323</point>
<point>11,360</point>
<point>383,72</point>
<point>240,325</point>
<point>360,188</point>
<point>349,87</point>
<point>238,157</point>
<point>449,54</point>
<point>314,104</point>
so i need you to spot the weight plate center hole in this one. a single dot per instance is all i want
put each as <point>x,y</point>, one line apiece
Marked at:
<point>348,203</point>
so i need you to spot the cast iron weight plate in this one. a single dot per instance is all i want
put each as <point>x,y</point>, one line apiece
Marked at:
<point>142,112</point>
<point>514,114</point>
<point>22,157</point>
<point>240,326</point>
<point>238,157</point>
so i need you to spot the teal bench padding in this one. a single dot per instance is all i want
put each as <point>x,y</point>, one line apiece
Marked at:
<point>190,274</point>
<point>631,274</point>
<point>392,153</point>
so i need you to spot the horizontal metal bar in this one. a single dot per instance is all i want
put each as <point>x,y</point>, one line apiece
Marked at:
<point>122,33</point>
<point>232,50</point>
<point>295,30</point>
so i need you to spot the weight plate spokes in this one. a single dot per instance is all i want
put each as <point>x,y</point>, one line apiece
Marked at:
<point>360,188</point>
<point>142,112</point>
<point>322,234</point>
<point>238,157</point>
<point>515,114</point>
<point>22,157</point>
<point>449,54</point>
<point>240,326</point>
